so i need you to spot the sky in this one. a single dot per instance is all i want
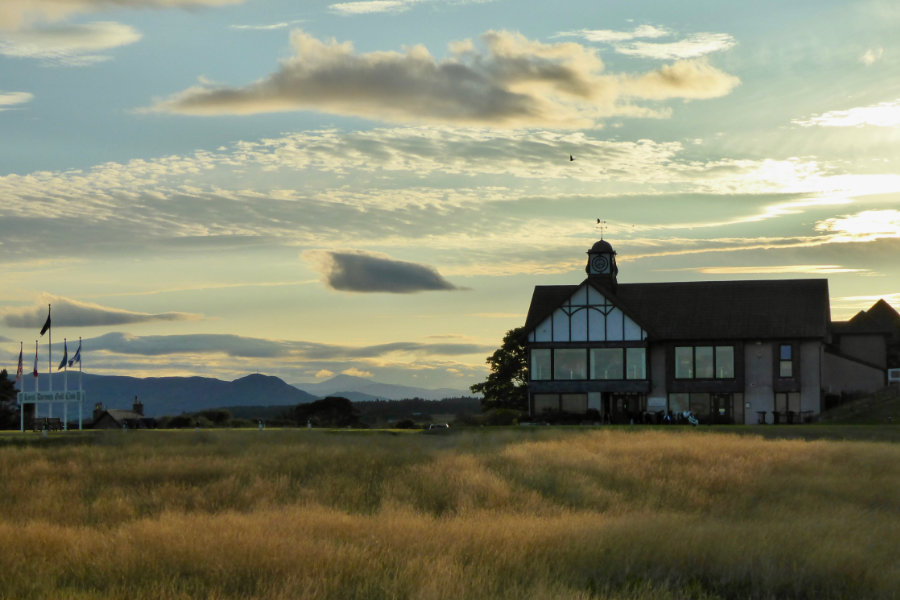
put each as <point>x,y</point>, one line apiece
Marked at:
<point>306,188</point>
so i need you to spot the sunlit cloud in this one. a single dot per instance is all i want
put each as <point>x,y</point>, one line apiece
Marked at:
<point>67,312</point>
<point>364,7</point>
<point>16,14</point>
<point>72,45</point>
<point>871,56</point>
<point>630,42</point>
<point>772,270</point>
<point>883,114</point>
<point>505,80</point>
<point>11,99</point>
<point>270,27</point>
<point>865,226</point>
<point>693,46</point>
<point>611,35</point>
<point>354,372</point>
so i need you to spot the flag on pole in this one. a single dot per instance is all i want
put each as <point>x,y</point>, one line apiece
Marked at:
<point>46,323</point>
<point>19,370</point>
<point>65,359</point>
<point>76,358</point>
<point>35,371</point>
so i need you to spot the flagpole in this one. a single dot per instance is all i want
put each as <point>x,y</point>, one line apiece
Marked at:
<point>36,390</point>
<point>65,386</point>
<point>20,375</point>
<point>50,360</point>
<point>80,388</point>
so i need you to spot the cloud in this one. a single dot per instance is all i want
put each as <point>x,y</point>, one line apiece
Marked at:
<point>354,372</point>
<point>268,27</point>
<point>8,99</point>
<point>68,44</point>
<point>773,270</point>
<point>610,35</point>
<point>883,114</point>
<point>693,46</point>
<point>365,272</point>
<point>17,14</point>
<point>505,81</point>
<point>865,226</point>
<point>364,7</point>
<point>67,312</point>
<point>683,79</point>
<point>623,42</point>
<point>871,56</point>
<point>249,347</point>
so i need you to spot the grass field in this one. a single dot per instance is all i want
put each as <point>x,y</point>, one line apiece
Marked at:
<point>511,513</point>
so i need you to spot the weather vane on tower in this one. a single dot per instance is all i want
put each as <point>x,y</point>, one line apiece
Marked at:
<point>602,225</point>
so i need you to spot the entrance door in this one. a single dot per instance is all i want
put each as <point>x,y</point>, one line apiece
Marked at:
<point>721,408</point>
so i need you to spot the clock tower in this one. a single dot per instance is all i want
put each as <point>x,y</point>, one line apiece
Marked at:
<point>601,266</point>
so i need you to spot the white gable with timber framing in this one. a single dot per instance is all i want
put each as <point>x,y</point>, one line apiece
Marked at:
<point>587,316</point>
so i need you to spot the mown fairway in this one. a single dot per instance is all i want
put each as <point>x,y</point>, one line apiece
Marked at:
<point>517,513</point>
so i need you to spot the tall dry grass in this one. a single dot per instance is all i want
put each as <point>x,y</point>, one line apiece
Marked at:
<point>509,514</point>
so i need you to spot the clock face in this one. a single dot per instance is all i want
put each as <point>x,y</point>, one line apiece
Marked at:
<point>600,263</point>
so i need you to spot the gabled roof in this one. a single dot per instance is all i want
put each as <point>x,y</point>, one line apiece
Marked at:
<point>756,309</point>
<point>883,314</point>
<point>122,415</point>
<point>880,318</point>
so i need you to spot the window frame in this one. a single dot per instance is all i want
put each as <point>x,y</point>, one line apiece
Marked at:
<point>678,357</point>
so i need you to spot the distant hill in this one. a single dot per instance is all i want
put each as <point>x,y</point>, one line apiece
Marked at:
<point>359,389</point>
<point>175,395</point>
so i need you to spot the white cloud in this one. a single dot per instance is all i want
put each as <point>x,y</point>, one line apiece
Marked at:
<point>68,44</point>
<point>10,99</point>
<point>505,81</point>
<point>773,270</point>
<point>610,35</point>
<point>693,46</point>
<point>865,226</point>
<point>18,14</point>
<point>872,56</point>
<point>883,114</point>
<point>364,7</point>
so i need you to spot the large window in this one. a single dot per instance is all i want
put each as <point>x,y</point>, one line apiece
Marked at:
<point>569,363</point>
<point>540,364</point>
<point>635,363</point>
<point>605,364</point>
<point>704,362</point>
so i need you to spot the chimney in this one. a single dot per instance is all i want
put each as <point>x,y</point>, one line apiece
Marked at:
<point>138,406</point>
<point>98,410</point>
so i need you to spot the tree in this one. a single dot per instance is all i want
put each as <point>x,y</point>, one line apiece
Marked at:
<point>505,386</point>
<point>333,411</point>
<point>9,412</point>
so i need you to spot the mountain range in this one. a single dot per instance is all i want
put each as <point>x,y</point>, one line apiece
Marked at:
<point>359,388</point>
<point>176,395</point>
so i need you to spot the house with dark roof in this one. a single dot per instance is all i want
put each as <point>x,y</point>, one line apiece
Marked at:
<point>114,418</point>
<point>758,351</point>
